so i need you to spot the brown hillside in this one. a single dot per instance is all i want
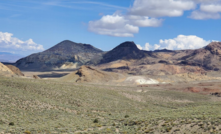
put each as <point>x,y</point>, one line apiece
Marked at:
<point>5,70</point>
<point>166,62</point>
<point>89,74</point>
<point>208,58</point>
<point>15,70</point>
<point>133,67</point>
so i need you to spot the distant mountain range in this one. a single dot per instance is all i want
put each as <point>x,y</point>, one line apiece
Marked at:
<point>9,57</point>
<point>70,54</point>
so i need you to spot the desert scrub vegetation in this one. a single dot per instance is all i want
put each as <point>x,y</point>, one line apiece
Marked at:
<point>44,106</point>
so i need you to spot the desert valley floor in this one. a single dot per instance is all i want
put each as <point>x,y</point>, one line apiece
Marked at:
<point>52,106</point>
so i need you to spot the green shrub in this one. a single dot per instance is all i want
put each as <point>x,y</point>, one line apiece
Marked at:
<point>95,121</point>
<point>11,124</point>
<point>176,130</point>
<point>126,116</point>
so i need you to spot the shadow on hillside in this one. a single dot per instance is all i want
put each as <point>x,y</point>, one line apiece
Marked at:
<point>52,75</point>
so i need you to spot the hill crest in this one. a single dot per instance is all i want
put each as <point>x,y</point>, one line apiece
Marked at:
<point>58,55</point>
<point>125,51</point>
<point>68,46</point>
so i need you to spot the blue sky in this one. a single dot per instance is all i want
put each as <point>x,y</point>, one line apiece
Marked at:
<point>29,26</point>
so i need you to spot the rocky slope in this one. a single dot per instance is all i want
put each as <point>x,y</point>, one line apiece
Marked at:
<point>125,51</point>
<point>5,70</point>
<point>167,62</point>
<point>208,57</point>
<point>91,75</point>
<point>15,70</point>
<point>55,57</point>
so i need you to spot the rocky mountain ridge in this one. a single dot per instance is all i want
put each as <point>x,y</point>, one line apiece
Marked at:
<point>72,55</point>
<point>170,62</point>
<point>56,56</point>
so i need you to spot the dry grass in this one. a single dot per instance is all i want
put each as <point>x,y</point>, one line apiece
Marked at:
<point>40,106</point>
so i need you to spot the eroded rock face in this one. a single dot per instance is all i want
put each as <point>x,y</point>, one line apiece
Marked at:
<point>55,57</point>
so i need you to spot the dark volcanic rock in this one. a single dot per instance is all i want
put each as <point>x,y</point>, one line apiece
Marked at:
<point>163,50</point>
<point>218,94</point>
<point>69,47</point>
<point>125,51</point>
<point>55,57</point>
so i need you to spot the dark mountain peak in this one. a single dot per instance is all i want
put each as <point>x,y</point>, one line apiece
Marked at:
<point>66,41</point>
<point>56,56</point>
<point>67,47</point>
<point>125,51</point>
<point>128,45</point>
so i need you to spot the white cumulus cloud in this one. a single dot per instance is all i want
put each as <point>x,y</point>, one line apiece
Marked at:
<point>125,25</point>
<point>204,1</point>
<point>139,47</point>
<point>181,42</point>
<point>147,47</point>
<point>160,8</point>
<point>200,15</point>
<point>156,47</point>
<point>211,8</point>
<point>113,25</point>
<point>148,13</point>
<point>8,43</point>
<point>122,25</point>
<point>208,10</point>
<point>141,21</point>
